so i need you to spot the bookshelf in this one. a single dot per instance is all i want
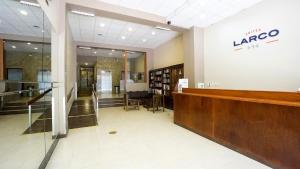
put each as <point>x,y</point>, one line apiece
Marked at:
<point>163,81</point>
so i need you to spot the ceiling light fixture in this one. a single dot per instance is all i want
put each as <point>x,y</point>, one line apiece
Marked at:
<point>83,47</point>
<point>153,33</point>
<point>86,63</point>
<point>30,3</point>
<point>123,37</point>
<point>36,48</point>
<point>102,25</point>
<point>95,52</point>
<point>162,28</point>
<point>23,12</point>
<point>144,40</point>
<point>202,16</point>
<point>83,13</point>
<point>130,29</point>
<point>110,53</point>
<point>112,50</point>
<point>13,46</point>
<point>28,43</point>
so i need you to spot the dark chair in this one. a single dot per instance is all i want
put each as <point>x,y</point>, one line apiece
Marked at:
<point>155,103</point>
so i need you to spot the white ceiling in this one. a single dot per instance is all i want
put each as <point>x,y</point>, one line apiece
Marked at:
<point>187,13</point>
<point>86,29</point>
<point>100,52</point>
<point>13,22</point>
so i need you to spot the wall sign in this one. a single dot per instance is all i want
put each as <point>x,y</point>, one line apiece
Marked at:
<point>255,38</point>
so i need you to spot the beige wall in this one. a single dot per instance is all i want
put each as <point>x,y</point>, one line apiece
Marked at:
<point>170,53</point>
<point>30,64</point>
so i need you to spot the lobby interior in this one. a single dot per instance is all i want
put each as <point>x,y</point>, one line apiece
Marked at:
<point>197,84</point>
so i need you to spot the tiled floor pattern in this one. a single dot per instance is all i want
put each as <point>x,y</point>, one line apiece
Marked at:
<point>19,151</point>
<point>82,114</point>
<point>143,141</point>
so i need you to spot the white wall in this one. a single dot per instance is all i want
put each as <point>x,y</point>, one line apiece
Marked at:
<point>71,68</point>
<point>274,66</point>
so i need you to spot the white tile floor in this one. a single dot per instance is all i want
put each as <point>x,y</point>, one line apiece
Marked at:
<point>143,141</point>
<point>20,151</point>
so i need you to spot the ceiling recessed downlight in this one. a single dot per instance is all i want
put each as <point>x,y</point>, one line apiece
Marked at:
<point>102,25</point>
<point>13,46</point>
<point>83,13</point>
<point>144,40</point>
<point>30,3</point>
<point>28,43</point>
<point>112,50</point>
<point>86,63</point>
<point>95,52</point>
<point>110,53</point>
<point>130,29</point>
<point>153,33</point>
<point>35,48</point>
<point>202,16</point>
<point>23,12</point>
<point>123,37</point>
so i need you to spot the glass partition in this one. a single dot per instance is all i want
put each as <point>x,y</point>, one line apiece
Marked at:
<point>25,110</point>
<point>136,66</point>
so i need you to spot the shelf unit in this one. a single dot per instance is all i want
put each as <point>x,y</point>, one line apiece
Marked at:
<point>163,81</point>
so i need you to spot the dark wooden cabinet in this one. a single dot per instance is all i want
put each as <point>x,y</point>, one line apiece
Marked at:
<point>164,80</point>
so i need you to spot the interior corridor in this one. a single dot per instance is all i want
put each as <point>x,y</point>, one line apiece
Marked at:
<point>143,140</point>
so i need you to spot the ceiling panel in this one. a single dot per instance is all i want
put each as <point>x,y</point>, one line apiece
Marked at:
<point>116,32</point>
<point>13,22</point>
<point>188,13</point>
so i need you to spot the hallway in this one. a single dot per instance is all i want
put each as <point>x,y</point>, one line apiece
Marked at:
<point>143,140</point>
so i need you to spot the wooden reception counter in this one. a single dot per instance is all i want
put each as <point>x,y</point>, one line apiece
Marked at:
<point>262,125</point>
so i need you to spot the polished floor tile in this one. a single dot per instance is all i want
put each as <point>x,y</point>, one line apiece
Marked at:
<point>143,140</point>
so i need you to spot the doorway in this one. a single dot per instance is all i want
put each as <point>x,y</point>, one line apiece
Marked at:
<point>86,77</point>
<point>86,81</point>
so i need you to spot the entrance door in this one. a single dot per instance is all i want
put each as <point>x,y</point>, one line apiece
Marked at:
<point>86,77</point>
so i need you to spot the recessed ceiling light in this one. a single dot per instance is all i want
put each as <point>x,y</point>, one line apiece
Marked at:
<point>83,47</point>
<point>23,12</point>
<point>162,28</point>
<point>144,40</point>
<point>43,31</point>
<point>102,25</point>
<point>203,3</point>
<point>83,13</point>
<point>35,48</point>
<point>110,53</point>
<point>112,50</point>
<point>86,63</point>
<point>29,55</point>
<point>95,52</point>
<point>30,3</point>
<point>13,46</point>
<point>123,37</point>
<point>28,43</point>
<point>153,33</point>
<point>130,29</point>
<point>202,16</point>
